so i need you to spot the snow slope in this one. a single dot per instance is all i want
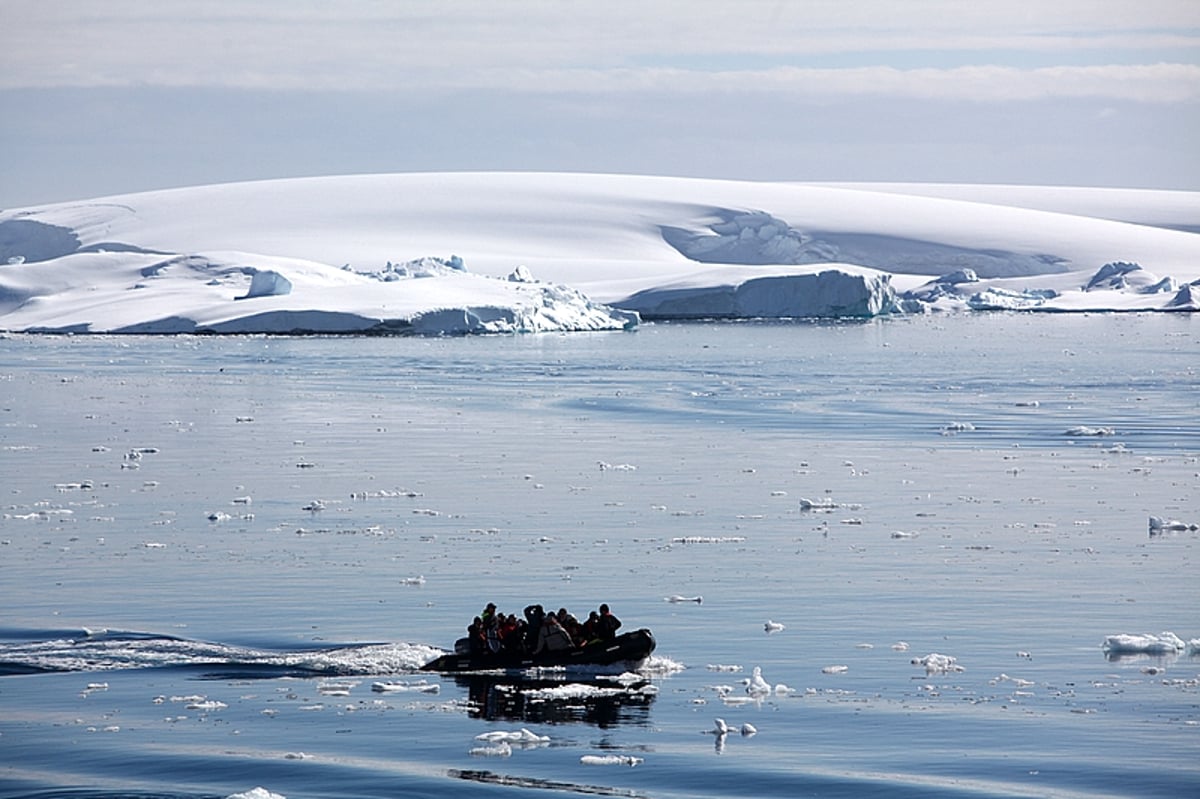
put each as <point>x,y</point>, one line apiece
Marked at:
<point>373,253</point>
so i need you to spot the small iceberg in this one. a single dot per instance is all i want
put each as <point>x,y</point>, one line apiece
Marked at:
<point>756,685</point>
<point>1165,643</point>
<point>1158,525</point>
<point>522,736</point>
<point>935,663</point>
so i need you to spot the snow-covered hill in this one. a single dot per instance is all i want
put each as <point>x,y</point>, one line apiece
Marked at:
<point>498,252</point>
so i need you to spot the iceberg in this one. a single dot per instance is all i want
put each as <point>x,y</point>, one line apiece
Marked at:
<point>541,252</point>
<point>829,293</point>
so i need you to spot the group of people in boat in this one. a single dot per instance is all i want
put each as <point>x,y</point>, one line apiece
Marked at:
<point>493,633</point>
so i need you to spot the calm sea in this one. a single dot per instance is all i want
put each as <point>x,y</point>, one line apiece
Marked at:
<point>221,559</point>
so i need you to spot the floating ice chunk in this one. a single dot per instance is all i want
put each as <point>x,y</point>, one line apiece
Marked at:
<point>1084,431</point>
<point>399,687</point>
<point>756,685</point>
<point>521,736</point>
<point>900,534</point>
<point>706,539</point>
<point>935,663</point>
<point>817,504</point>
<point>722,667</point>
<point>418,580</point>
<point>611,760</point>
<point>208,704</point>
<point>605,466</point>
<point>1164,643</point>
<point>719,727</point>
<point>1160,525</point>
<point>1017,681</point>
<point>584,691</point>
<point>773,627</point>
<point>835,669</point>
<point>953,428</point>
<point>256,793</point>
<point>676,599</point>
<point>749,729</point>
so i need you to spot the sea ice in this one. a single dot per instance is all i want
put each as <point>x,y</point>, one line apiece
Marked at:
<point>755,684</point>
<point>1085,431</point>
<point>935,663</point>
<point>256,793</point>
<point>1159,525</point>
<point>521,736</point>
<point>1162,644</point>
<point>611,760</point>
<point>421,686</point>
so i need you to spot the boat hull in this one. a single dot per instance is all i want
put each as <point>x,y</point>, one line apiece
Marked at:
<point>626,651</point>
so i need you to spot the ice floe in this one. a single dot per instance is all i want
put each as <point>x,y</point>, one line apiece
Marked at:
<point>523,736</point>
<point>936,663</point>
<point>419,686</point>
<point>756,685</point>
<point>611,760</point>
<point>1164,643</point>
<point>1158,525</point>
<point>256,793</point>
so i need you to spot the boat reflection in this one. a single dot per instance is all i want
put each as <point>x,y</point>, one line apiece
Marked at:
<point>557,701</point>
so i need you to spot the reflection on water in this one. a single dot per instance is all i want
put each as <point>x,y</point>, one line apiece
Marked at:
<point>543,701</point>
<point>492,778</point>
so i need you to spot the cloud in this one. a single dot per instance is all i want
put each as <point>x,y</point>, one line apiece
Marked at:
<point>1152,83</point>
<point>523,44</point>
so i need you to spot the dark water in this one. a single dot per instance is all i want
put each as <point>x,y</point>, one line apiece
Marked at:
<point>223,559</point>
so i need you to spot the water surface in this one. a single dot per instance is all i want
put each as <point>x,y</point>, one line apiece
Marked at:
<point>231,540</point>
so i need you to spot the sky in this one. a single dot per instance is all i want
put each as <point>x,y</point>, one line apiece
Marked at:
<point>102,98</point>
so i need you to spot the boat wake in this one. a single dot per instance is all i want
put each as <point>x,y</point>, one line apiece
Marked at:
<point>85,650</point>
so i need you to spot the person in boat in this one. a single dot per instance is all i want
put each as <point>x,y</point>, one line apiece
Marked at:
<point>552,637</point>
<point>476,636</point>
<point>571,625</point>
<point>512,634</point>
<point>488,614</point>
<point>591,628</point>
<point>534,614</point>
<point>492,636</point>
<point>608,624</point>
